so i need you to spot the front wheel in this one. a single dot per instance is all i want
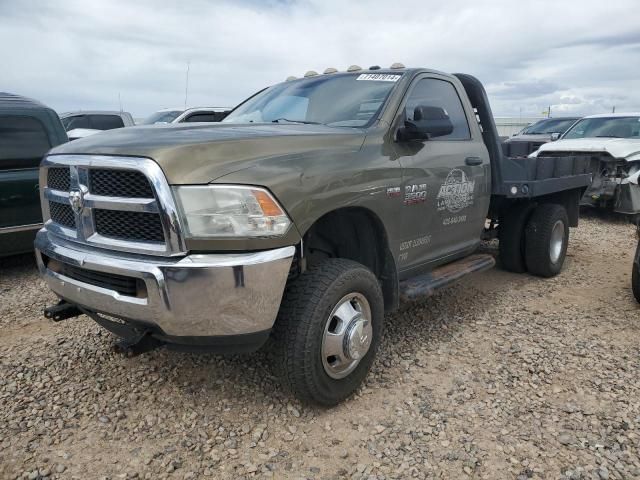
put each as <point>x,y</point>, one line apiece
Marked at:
<point>546,240</point>
<point>328,330</point>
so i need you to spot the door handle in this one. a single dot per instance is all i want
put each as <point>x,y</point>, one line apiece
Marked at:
<point>473,161</point>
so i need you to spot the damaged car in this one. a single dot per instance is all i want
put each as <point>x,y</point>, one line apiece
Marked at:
<point>612,143</point>
<point>530,138</point>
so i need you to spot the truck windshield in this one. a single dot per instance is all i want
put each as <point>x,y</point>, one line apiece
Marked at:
<point>339,100</point>
<point>613,127</point>
<point>163,116</point>
<point>557,125</point>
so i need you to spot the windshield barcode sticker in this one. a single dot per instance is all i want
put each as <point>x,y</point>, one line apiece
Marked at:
<point>380,77</point>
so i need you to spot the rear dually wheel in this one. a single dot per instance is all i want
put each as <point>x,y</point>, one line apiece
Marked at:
<point>546,240</point>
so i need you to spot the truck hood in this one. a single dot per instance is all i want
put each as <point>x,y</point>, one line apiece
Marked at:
<point>199,153</point>
<point>624,148</point>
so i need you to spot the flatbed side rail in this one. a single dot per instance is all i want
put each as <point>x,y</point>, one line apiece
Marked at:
<point>522,177</point>
<point>527,177</point>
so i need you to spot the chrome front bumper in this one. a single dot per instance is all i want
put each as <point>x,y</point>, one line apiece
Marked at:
<point>197,295</point>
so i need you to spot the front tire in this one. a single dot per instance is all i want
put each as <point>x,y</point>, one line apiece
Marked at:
<point>328,330</point>
<point>546,240</point>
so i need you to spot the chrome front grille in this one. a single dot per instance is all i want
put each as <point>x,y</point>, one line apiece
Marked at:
<point>119,183</point>
<point>138,226</point>
<point>59,178</point>
<point>62,214</point>
<point>120,203</point>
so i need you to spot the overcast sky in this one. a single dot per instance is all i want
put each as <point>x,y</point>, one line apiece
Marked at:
<point>577,56</point>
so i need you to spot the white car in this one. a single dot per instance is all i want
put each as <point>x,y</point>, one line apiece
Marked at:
<point>76,133</point>
<point>613,143</point>
<point>84,123</point>
<point>180,115</point>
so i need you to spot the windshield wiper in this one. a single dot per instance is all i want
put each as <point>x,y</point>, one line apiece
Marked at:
<point>278,120</point>
<point>608,136</point>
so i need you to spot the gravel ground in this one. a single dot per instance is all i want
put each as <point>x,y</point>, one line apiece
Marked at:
<point>501,376</point>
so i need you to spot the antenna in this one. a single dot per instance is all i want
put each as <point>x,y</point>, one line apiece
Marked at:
<point>614,109</point>
<point>186,87</point>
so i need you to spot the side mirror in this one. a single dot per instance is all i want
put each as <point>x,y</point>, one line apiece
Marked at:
<point>555,136</point>
<point>428,122</point>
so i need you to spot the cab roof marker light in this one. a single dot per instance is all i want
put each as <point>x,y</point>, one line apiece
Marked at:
<point>354,68</point>
<point>330,70</point>
<point>290,77</point>
<point>397,65</point>
<point>311,73</point>
<point>374,67</point>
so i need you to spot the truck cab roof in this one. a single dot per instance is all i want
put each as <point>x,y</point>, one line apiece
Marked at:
<point>13,101</point>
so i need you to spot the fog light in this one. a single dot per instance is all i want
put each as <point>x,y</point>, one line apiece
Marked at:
<point>514,190</point>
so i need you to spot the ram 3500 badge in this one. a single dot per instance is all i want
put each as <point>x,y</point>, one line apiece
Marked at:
<point>310,211</point>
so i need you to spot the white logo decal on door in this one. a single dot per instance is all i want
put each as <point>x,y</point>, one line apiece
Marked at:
<point>456,193</point>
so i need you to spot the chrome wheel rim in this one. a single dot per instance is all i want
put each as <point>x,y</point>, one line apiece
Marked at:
<point>347,336</point>
<point>557,241</point>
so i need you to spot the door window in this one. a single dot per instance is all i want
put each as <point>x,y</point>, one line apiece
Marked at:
<point>203,117</point>
<point>106,122</point>
<point>78,121</point>
<point>23,142</point>
<point>432,92</point>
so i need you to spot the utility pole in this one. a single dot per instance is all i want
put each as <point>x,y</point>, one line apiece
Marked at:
<point>119,102</point>
<point>549,112</point>
<point>614,109</point>
<point>186,87</point>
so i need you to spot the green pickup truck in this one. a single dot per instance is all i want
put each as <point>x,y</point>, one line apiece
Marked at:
<point>316,206</point>
<point>28,130</point>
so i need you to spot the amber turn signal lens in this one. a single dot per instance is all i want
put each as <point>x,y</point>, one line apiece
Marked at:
<point>267,204</point>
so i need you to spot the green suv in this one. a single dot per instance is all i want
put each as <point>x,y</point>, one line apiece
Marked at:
<point>28,129</point>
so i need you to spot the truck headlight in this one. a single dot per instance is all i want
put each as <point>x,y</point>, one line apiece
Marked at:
<point>230,211</point>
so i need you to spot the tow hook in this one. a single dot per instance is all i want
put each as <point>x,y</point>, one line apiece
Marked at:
<point>134,346</point>
<point>61,311</point>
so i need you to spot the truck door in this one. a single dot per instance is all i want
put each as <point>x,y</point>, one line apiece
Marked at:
<point>24,141</point>
<point>446,179</point>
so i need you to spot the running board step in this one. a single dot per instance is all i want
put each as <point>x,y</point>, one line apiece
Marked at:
<point>427,284</point>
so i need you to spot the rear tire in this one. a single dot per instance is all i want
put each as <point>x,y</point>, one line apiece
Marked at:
<point>511,238</point>
<point>635,274</point>
<point>546,240</point>
<point>310,317</point>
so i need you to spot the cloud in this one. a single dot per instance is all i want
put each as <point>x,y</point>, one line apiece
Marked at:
<point>74,54</point>
<point>523,89</point>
